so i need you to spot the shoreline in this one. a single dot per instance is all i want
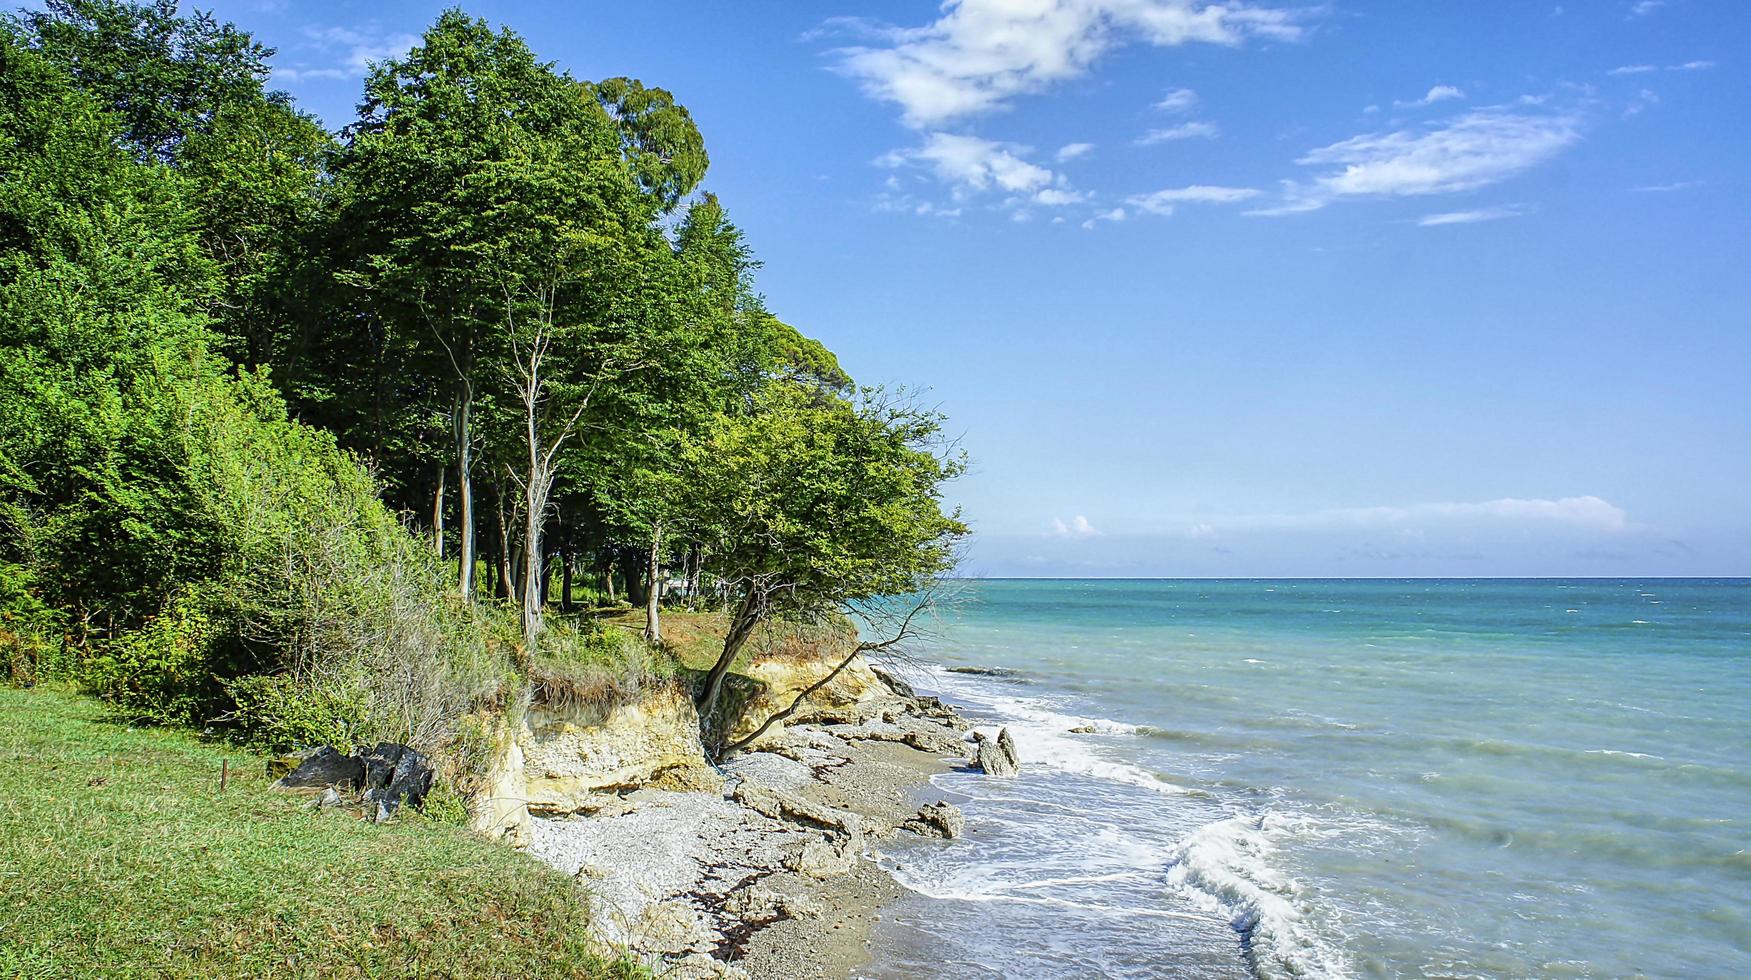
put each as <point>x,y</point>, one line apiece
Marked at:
<point>774,877</point>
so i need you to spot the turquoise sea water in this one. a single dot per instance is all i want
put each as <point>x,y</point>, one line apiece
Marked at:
<point>1421,778</point>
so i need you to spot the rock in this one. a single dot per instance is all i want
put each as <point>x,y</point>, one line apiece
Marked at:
<point>699,966</point>
<point>757,903</point>
<point>918,734</point>
<point>328,799</point>
<point>895,684</point>
<point>821,858</point>
<point>995,757</point>
<point>985,671</point>
<point>1083,730</point>
<point>780,805</point>
<point>938,820</point>
<point>671,927</point>
<point>398,774</point>
<point>324,766</point>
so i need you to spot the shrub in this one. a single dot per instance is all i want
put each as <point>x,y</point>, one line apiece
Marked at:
<point>596,667</point>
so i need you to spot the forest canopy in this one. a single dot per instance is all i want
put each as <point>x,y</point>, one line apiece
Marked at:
<point>311,434</point>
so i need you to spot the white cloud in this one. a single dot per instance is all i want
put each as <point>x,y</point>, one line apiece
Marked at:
<point>1440,93</point>
<point>1474,150</point>
<point>1070,151</point>
<point>1057,197</point>
<point>1201,532</point>
<point>1180,100</point>
<point>288,74</point>
<point>361,46</point>
<point>1162,202</point>
<point>1642,8</point>
<point>1639,104</point>
<point>968,163</point>
<point>1470,217</point>
<point>1645,69</point>
<point>1682,185</point>
<point>1183,131</point>
<point>1077,527</point>
<point>980,54</point>
<point>1112,214</point>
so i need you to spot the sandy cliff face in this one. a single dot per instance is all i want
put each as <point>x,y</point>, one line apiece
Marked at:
<point>574,759</point>
<point>571,759</point>
<point>856,696</point>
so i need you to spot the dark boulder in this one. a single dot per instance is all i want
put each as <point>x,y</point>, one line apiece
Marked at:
<point>321,767</point>
<point>389,775</point>
<point>393,775</point>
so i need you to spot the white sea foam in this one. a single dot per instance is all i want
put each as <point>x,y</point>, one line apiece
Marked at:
<point>1042,737</point>
<point>1628,755</point>
<point>1224,867</point>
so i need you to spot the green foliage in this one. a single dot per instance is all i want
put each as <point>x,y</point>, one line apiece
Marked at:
<point>163,76</point>
<point>812,501</point>
<point>657,135</point>
<point>163,671</point>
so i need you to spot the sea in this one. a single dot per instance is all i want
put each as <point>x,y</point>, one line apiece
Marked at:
<point>1339,778</point>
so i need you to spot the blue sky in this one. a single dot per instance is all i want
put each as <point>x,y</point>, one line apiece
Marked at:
<point>1355,288</point>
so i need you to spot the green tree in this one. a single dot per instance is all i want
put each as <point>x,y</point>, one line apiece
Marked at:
<point>813,503</point>
<point>163,76</point>
<point>432,127</point>
<point>658,139</point>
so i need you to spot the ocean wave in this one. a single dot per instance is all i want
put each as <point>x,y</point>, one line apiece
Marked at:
<point>1225,868</point>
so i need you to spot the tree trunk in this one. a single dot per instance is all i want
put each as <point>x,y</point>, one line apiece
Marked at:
<point>507,583</point>
<point>438,513</point>
<point>748,614</point>
<point>653,626</point>
<point>632,562</point>
<point>465,493</point>
<point>533,571</point>
<point>608,580</point>
<point>565,581</point>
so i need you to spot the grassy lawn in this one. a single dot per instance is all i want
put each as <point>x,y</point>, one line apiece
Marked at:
<point>120,857</point>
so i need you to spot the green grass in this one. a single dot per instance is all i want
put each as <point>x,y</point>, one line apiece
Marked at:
<point>120,857</point>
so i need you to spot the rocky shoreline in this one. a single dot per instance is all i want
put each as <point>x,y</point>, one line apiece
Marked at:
<point>774,876</point>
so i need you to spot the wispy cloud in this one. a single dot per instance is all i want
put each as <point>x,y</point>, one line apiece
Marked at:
<point>1640,102</point>
<point>981,54</point>
<point>1440,93</point>
<point>1642,8</point>
<point>1070,151</point>
<point>1076,527</point>
<point>1471,217</point>
<point>1473,150</point>
<point>1111,214</point>
<point>1195,130</point>
<point>1179,100</point>
<point>1623,70</point>
<point>346,52</point>
<point>970,166</point>
<point>1162,202</point>
<point>1682,185</point>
